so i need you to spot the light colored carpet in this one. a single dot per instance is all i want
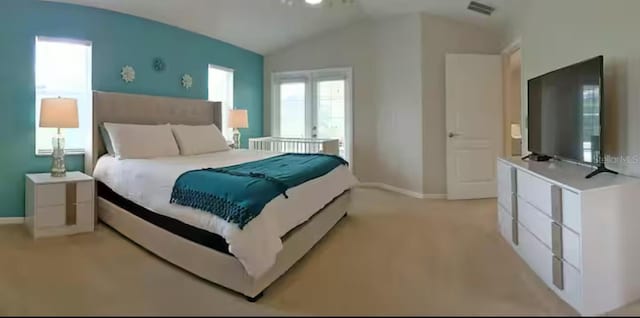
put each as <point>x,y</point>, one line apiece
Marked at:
<point>393,255</point>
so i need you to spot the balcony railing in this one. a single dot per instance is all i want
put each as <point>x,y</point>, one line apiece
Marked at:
<point>296,145</point>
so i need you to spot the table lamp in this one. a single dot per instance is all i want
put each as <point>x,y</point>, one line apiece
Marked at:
<point>515,131</point>
<point>238,118</point>
<point>58,113</point>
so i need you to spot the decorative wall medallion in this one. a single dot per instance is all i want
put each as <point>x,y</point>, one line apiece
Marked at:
<point>128,74</point>
<point>158,64</point>
<point>187,81</point>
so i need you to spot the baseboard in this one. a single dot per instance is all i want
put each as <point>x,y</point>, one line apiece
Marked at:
<point>413,194</point>
<point>15,220</point>
<point>439,196</point>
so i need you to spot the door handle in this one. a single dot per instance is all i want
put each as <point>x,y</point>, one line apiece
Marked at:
<point>451,135</point>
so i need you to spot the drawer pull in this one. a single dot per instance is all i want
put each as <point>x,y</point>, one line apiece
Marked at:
<point>558,275</point>
<point>514,231</point>
<point>556,239</point>
<point>514,180</point>
<point>514,215</point>
<point>514,206</point>
<point>71,206</point>
<point>556,203</point>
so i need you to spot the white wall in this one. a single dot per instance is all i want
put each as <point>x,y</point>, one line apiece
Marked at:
<point>398,69</point>
<point>439,37</point>
<point>387,104</point>
<point>397,92</point>
<point>559,33</point>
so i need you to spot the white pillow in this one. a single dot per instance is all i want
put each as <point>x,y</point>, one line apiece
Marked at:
<point>142,141</point>
<point>195,140</point>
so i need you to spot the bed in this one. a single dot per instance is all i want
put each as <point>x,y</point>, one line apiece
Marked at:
<point>133,199</point>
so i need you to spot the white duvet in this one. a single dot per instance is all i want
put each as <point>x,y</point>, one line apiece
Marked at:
<point>149,182</point>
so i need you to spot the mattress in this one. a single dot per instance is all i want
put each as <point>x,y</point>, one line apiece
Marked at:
<point>149,182</point>
<point>193,234</point>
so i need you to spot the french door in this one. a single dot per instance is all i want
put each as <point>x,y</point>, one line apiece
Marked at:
<point>313,104</point>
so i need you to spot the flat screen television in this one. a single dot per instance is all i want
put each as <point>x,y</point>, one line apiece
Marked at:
<point>566,111</point>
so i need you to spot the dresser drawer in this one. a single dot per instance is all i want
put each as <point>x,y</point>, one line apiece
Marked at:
<point>541,261</point>
<point>505,184</point>
<point>536,191</point>
<point>535,254</point>
<point>572,289</point>
<point>571,248</point>
<point>540,225</point>
<point>571,217</point>
<point>50,216</point>
<point>505,224</point>
<point>50,194</point>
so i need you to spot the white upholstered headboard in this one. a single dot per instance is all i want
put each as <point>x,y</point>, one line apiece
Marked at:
<point>144,109</point>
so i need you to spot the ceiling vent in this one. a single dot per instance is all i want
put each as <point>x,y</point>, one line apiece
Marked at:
<point>481,8</point>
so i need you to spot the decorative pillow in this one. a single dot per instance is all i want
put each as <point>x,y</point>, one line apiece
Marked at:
<point>195,140</point>
<point>106,140</point>
<point>142,141</point>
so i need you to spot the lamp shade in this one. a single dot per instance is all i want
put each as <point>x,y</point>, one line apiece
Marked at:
<point>238,118</point>
<point>515,131</point>
<point>59,113</point>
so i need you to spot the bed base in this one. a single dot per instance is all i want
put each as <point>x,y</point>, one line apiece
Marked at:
<point>216,267</point>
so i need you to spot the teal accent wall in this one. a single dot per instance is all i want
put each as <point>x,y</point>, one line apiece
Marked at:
<point>118,40</point>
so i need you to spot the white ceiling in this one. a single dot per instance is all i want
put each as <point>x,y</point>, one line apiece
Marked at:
<point>264,26</point>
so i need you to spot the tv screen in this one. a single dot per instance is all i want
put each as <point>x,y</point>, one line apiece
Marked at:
<point>565,112</point>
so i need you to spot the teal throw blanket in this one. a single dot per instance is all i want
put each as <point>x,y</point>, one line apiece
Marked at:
<point>239,193</point>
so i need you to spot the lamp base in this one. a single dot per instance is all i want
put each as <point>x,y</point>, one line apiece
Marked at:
<point>58,168</point>
<point>58,174</point>
<point>236,138</point>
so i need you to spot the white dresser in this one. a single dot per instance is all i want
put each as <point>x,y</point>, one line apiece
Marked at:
<point>581,236</point>
<point>57,206</point>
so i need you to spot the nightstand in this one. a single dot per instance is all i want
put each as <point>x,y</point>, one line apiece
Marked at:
<point>59,205</point>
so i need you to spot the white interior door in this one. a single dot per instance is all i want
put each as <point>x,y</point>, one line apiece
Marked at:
<point>474,124</point>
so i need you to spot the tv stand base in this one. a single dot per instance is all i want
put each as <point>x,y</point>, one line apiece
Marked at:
<point>599,170</point>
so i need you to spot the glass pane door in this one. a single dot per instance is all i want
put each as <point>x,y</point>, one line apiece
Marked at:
<point>330,111</point>
<point>293,109</point>
<point>314,104</point>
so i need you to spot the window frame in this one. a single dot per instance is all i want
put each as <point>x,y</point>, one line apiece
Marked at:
<point>230,94</point>
<point>87,43</point>
<point>311,77</point>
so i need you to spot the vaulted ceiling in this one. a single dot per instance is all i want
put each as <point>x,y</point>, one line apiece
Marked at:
<point>264,26</point>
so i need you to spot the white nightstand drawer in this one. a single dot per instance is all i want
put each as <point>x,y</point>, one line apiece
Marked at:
<point>50,194</point>
<point>84,212</point>
<point>51,216</point>
<point>84,191</point>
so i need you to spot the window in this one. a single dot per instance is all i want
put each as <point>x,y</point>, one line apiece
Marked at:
<point>590,122</point>
<point>221,90</point>
<point>63,69</point>
<point>292,109</point>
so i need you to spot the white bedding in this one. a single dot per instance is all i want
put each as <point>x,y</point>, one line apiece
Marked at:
<point>149,182</point>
